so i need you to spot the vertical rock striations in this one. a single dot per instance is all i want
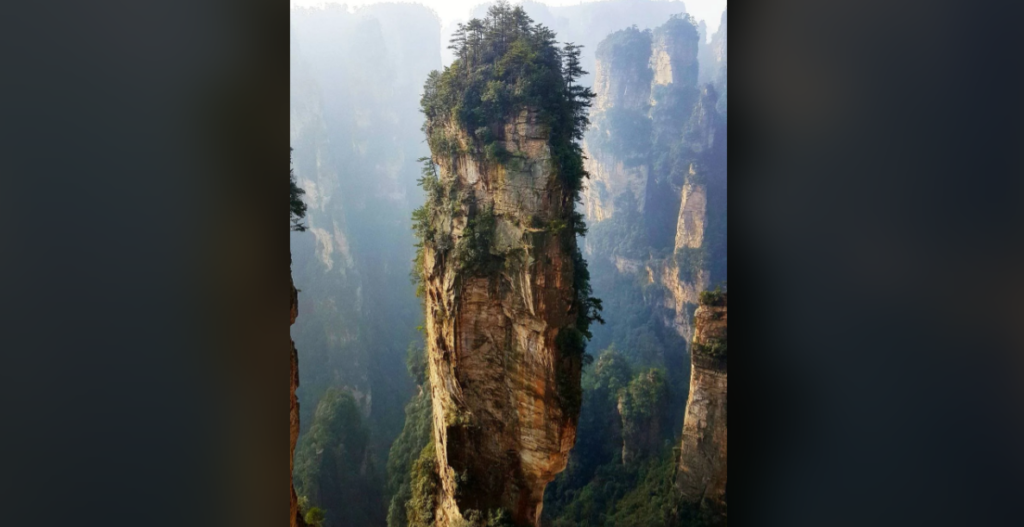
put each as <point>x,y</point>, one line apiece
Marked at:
<point>617,144</point>
<point>642,406</point>
<point>295,516</point>
<point>502,428</point>
<point>701,478</point>
<point>504,285</point>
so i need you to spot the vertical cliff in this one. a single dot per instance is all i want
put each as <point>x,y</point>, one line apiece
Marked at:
<point>656,201</point>
<point>674,53</point>
<point>617,143</point>
<point>502,427</point>
<point>295,516</point>
<point>504,286</point>
<point>702,474</point>
<point>356,75</point>
<point>642,406</point>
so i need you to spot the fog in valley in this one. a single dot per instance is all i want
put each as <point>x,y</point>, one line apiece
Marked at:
<point>655,210</point>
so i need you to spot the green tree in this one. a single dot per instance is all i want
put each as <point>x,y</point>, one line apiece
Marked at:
<point>298,206</point>
<point>315,517</point>
<point>331,464</point>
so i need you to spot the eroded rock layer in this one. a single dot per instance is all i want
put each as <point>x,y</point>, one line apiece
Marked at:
<point>295,516</point>
<point>503,394</point>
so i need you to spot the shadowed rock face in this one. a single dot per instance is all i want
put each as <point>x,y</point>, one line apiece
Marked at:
<point>502,427</point>
<point>702,475</point>
<point>295,516</point>
<point>653,77</point>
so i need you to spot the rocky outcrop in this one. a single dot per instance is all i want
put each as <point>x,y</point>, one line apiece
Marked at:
<point>643,408</point>
<point>295,516</point>
<point>620,79</point>
<point>499,296</point>
<point>692,215</point>
<point>674,176</point>
<point>609,179</point>
<point>702,475</point>
<point>674,53</point>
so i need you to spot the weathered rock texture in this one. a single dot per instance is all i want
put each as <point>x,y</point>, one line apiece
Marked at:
<point>658,140</point>
<point>295,516</point>
<point>692,215</point>
<point>701,478</point>
<point>504,417</point>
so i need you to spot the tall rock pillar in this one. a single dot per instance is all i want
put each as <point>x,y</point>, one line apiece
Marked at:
<point>499,295</point>
<point>702,475</point>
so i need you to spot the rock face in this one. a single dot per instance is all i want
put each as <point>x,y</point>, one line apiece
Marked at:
<point>656,156</point>
<point>610,178</point>
<point>642,407</point>
<point>701,478</point>
<point>295,517</point>
<point>674,57</point>
<point>503,394</point>
<point>355,81</point>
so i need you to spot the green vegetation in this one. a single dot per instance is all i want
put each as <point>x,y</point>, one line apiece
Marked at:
<point>298,207</point>
<point>652,502</point>
<point>315,517</point>
<point>691,260</point>
<point>493,518</point>
<point>424,485</point>
<point>330,463</point>
<point>506,64</point>
<point>473,252</point>
<point>717,297</point>
<point>636,495</point>
<point>596,488</point>
<point>628,50</point>
<point>625,132</point>
<point>644,398</point>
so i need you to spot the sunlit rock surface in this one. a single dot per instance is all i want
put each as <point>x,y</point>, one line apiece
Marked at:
<point>702,474</point>
<point>501,428</point>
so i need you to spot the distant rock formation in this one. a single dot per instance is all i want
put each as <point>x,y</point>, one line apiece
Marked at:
<point>702,475</point>
<point>503,420</point>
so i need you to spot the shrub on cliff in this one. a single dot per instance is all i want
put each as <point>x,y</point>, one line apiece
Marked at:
<point>297,207</point>
<point>419,509</point>
<point>506,63</point>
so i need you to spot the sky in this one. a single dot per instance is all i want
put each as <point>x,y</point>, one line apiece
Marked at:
<point>458,10</point>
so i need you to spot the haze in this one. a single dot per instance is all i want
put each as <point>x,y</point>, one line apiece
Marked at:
<point>452,11</point>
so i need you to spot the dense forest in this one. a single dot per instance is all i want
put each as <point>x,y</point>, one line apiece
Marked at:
<point>355,84</point>
<point>636,124</point>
